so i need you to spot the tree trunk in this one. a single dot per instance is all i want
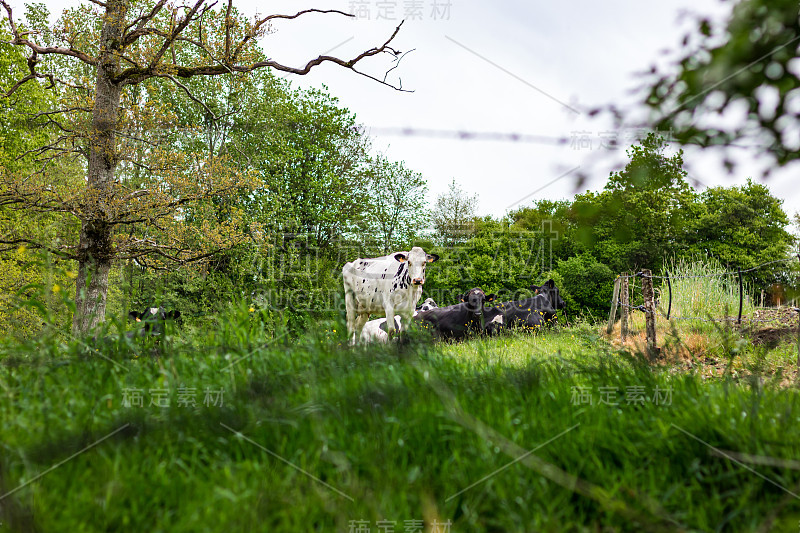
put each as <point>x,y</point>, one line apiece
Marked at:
<point>95,249</point>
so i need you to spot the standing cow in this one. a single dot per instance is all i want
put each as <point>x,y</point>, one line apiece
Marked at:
<point>387,285</point>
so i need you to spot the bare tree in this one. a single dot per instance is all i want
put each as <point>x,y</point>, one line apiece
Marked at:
<point>138,41</point>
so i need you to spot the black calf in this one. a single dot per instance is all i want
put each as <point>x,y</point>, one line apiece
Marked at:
<point>535,311</point>
<point>457,321</point>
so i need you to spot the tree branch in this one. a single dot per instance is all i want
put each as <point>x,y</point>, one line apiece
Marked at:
<point>11,244</point>
<point>258,24</point>
<point>134,75</point>
<point>20,40</point>
<point>177,31</point>
<point>141,20</point>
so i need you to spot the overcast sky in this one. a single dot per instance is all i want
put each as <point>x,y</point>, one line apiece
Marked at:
<point>527,68</point>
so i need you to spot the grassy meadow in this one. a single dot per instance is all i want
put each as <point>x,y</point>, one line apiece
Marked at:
<point>224,428</point>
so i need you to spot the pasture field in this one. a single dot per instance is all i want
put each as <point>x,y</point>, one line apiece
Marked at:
<point>563,430</point>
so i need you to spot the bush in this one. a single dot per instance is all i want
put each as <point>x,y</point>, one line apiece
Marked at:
<point>586,284</point>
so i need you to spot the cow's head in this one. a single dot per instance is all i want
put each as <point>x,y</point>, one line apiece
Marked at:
<point>416,260</point>
<point>551,292</point>
<point>427,305</point>
<point>475,298</point>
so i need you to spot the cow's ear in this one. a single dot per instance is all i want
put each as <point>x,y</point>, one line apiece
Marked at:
<point>535,289</point>
<point>464,296</point>
<point>432,258</point>
<point>135,315</point>
<point>174,315</point>
<point>401,257</point>
<point>550,284</point>
<point>491,297</point>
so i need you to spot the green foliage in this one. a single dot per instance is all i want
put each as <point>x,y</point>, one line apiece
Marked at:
<point>586,285</point>
<point>743,227</point>
<point>25,273</point>
<point>497,257</point>
<point>642,213</point>
<point>748,64</point>
<point>453,215</point>
<point>396,212</point>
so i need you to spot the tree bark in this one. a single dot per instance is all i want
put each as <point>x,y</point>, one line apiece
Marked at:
<point>95,248</point>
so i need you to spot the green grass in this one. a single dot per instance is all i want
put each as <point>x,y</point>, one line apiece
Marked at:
<point>395,430</point>
<point>697,290</point>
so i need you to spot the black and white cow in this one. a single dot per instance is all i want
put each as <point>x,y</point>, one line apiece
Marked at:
<point>154,319</point>
<point>459,320</point>
<point>427,305</point>
<point>536,311</point>
<point>375,330</point>
<point>387,285</point>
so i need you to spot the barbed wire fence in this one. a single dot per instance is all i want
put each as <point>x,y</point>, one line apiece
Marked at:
<point>625,284</point>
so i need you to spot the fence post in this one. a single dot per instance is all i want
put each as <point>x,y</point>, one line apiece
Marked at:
<point>649,313</point>
<point>623,326</point>
<point>613,314</point>
<point>741,298</point>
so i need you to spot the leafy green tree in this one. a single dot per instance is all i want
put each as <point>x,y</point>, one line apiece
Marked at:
<point>742,227</point>
<point>641,215</point>
<point>25,273</point>
<point>750,63</point>
<point>119,44</point>
<point>550,218</point>
<point>453,214</point>
<point>396,208</point>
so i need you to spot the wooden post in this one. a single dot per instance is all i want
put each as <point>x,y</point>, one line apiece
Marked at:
<point>623,327</point>
<point>649,313</point>
<point>613,314</point>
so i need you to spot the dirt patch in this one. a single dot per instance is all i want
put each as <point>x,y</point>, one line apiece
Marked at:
<point>771,336</point>
<point>777,315</point>
<point>771,326</point>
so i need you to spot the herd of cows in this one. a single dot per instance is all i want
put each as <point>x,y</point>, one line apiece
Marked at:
<point>392,286</point>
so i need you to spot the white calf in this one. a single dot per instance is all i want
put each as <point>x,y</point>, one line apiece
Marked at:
<point>375,330</point>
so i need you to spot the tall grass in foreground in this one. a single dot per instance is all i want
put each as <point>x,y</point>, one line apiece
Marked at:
<point>699,289</point>
<point>548,432</point>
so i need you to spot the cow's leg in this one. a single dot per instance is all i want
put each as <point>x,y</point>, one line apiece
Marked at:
<point>405,320</point>
<point>358,325</point>
<point>390,330</point>
<point>350,308</point>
